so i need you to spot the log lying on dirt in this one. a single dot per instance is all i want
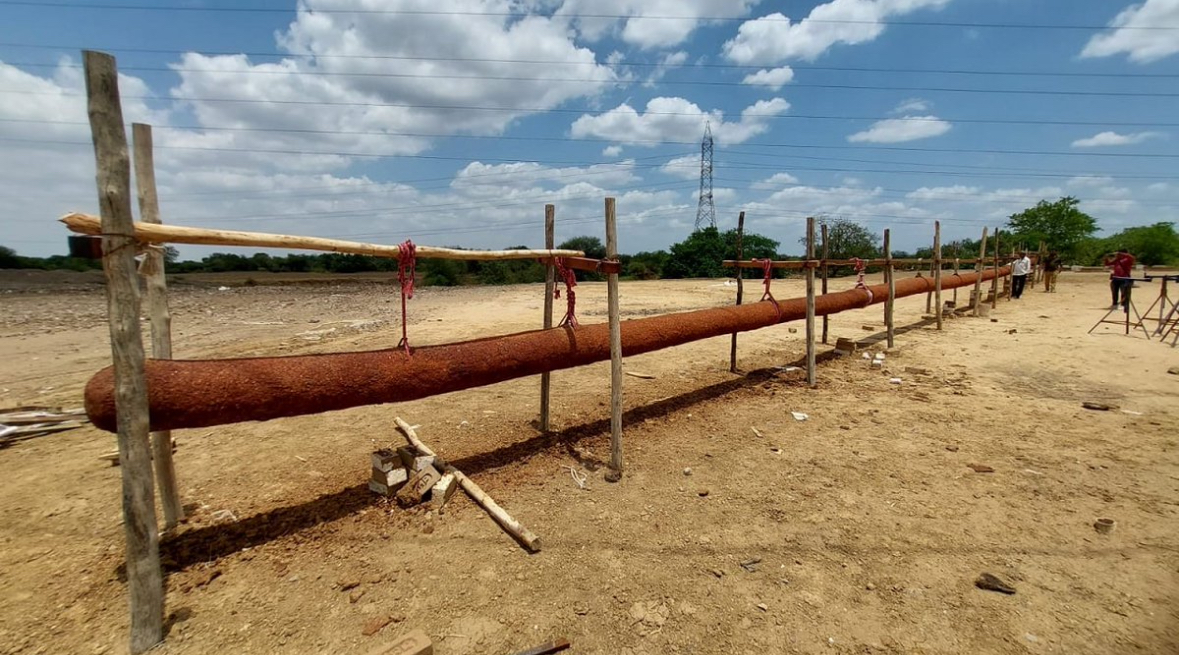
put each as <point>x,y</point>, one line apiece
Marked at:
<point>201,393</point>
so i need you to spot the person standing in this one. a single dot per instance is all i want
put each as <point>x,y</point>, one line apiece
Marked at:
<point>1052,267</point>
<point>1019,274</point>
<point>1121,265</point>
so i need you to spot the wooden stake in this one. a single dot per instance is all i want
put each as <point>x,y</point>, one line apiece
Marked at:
<point>740,288</point>
<point>995,280</point>
<point>929,295</point>
<point>823,231</point>
<point>160,317</point>
<point>957,269</point>
<point>810,303</point>
<point>980,266</point>
<point>144,577</point>
<point>889,277</point>
<point>937,271</point>
<point>550,226</point>
<point>614,473</point>
<point>148,233</point>
<point>510,525</point>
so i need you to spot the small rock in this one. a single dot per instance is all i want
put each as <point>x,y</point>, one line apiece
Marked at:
<point>994,320</point>
<point>751,564</point>
<point>792,330</point>
<point>762,607</point>
<point>991,583</point>
<point>581,611</point>
<point>916,370</point>
<point>349,583</point>
<point>1099,407</point>
<point>314,320</point>
<point>870,587</point>
<point>1174,370</point>
<point>687,470</point>
<point>981,468</point>
<point>702,493</point>
<point>845,427</point>
<point>1031,637</point>
<point>355,596</point>
<point>1012,331</point>
<point>868,328</point>
<point>718,573</point>
<point>375,625</point>
<point>952,448</point>
<point>1104,526</point>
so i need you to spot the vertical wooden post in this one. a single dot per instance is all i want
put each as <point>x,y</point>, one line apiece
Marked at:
<point>929,295</point>
<point>957,268</point>
<point>823,231</point>
<point>614,474</point>
<point>995,280</point>
<point>979,267</point>
<point>740,288</point>
<point>144,577</point>
<point>890,278</point>
<point>937,271</point>
<point>160,317</point>
<point>550,225</point>
<point>810,302</point>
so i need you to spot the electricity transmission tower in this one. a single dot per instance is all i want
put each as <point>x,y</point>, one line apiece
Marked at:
<point>706,210</point>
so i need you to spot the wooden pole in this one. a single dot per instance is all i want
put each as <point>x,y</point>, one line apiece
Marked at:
<point>148,233</point>
<point>740,288</point>
<point>995,280</point>
<point>937,271</point>
<point>823,231</point>
<point>957,269</point>
<point>144,578</point>
<point>614,473</point>
<point>979,266</point>
<point>160,317</point>
<point>810,303</point>
<point>550,283</point>
<point>929,296</point>
<point>889,277</point>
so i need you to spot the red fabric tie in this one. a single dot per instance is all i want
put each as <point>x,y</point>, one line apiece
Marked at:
<point>406,271</point>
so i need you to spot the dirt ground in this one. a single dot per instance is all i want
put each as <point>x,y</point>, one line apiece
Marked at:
<point>859,530</point>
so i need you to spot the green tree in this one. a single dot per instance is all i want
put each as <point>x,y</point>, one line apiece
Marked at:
<point>8,258</point>
<point>1060,225</point>
<point>591,246</point>
<point>1152,245</point>
<point>845,240</point>
<point>702,253</point>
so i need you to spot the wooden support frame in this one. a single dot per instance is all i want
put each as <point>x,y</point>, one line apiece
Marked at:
<point>148,233</point>
<point>937,271</point>
<point>978,267</point>
<point>995,280</point>
<point>810,304</point>
<point>823,272</point>
<point>161,319</point>
<point>144,577</point>
<point>890,279</point>
<point>550,285</point>
<point>614,472</point>
<point>740,288</point>
<point>801,264</point>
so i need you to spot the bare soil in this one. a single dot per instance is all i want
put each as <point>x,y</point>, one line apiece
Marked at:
<point>859,530</point>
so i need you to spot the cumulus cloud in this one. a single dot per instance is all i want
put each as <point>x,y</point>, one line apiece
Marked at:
<point>686,167</point>
<point>611,151</point>
<point>774,38</point>
<point>911,105</point>
<point>1133,32</point>
<point>899,130</point>
<point>632,22</point>
<point>775,181</point>
<point>774,78</point>
<point>942,192</point>
<point>676,119</point>
<point>1114,139</point>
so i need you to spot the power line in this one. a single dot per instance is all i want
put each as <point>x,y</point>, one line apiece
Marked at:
<point>42,4</point>
<point>589,110</point>
<point>554,62</point>
<point>590,81</point>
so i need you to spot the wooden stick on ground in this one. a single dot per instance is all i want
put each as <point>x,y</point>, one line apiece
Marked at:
<point>148,233</point>
<point>145,580</point>
<point>521,534</point>
<point>161,318</point>
<point>550,221</point>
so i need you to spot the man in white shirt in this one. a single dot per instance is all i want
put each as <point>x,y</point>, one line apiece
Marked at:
<point>1020,268</point>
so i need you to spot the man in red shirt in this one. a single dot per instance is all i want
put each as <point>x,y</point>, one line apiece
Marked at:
<point>1121,266</point>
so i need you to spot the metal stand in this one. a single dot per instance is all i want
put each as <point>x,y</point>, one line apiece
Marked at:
<point>1125,321</point>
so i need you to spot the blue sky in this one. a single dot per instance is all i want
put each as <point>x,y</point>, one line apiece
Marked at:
<point>452,122</point>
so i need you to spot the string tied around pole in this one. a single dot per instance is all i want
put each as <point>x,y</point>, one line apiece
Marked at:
<point>767,267</point>
<point>406,271</point>
<point>861,265</point>
<point>570,279</point>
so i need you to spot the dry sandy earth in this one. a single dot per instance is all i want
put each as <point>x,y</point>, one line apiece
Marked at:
<point>869,526</point>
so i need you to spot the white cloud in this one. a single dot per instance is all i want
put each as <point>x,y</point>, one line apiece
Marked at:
<point>942,192</point>
<point>774,38</point>
<point>774,78</point>
<point>898,130</point>
<point>1089,181</point>
<point>911,105</point>
<point>1114,139</point>
<point>611,151</point>
<point>1135,32</point>
<point>686,167</point>
<point>775,181</point>
<point>676,119</point>
<point>670,61</point>
<point>1158,187</point>
<point>632,22</point>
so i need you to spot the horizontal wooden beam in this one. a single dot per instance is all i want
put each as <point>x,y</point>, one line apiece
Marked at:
<point>587,264</point>
<point>150,233</point>
<point>816,263</point>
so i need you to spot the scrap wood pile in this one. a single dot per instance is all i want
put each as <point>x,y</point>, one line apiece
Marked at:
<point>414,474</point>
<point>20,423</point>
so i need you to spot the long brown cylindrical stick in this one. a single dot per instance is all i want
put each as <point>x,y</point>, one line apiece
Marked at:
<point>979,266</point>
<point>127,383</point>
<point>937,271</point>
<point>740,289</point>
<point>890,284</point>
<point>823,273</point>
<point>614,317</point>
<point>811,378</point>
<point>201,393</point>
<point>148,233</point>
<point>158,314</point>
<point>995,279</point>
<point>550,284</point>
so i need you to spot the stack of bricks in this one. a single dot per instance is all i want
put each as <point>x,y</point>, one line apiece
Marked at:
<point>411,477</point>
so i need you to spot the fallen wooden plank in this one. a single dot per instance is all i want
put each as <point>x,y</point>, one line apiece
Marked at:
<point>644,376</point>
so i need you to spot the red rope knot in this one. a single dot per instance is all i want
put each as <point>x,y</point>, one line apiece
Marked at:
<point>860,265</point>
<point>406,271</point>
<point>570,279</point>
<point>767,267</point>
